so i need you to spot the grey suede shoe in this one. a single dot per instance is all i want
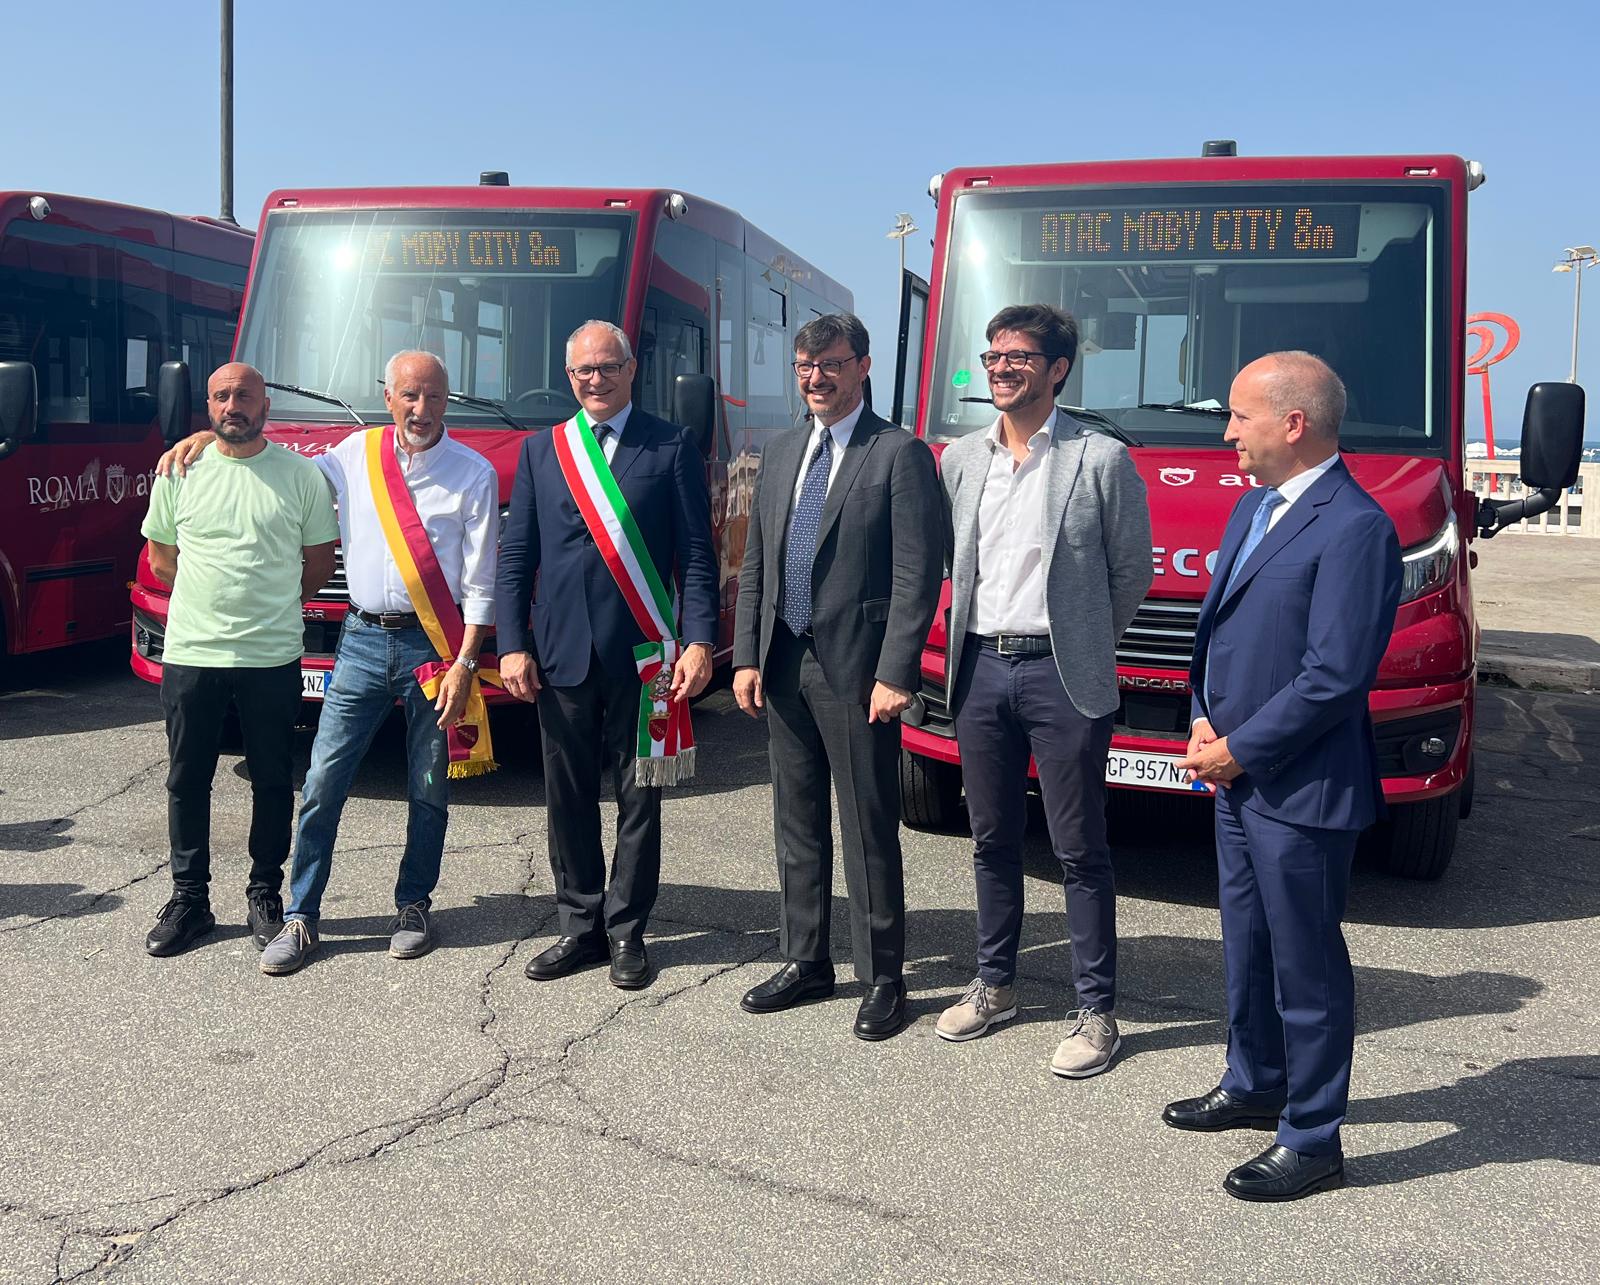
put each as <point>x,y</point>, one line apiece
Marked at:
<point>411,932</point>
<point>286,952</point>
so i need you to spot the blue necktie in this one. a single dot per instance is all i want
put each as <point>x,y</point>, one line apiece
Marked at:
<point>1259,521</point>
<point>801,550</point>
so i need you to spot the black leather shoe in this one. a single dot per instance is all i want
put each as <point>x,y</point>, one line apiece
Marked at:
<point>1279,1173</point>
<point>1217,1110</point>
<point>568,955</point>
<point>794,983</point>
<point>882,1012</point>
<point>178,925</point>
<point>630,966</point>
<point>265,917</point>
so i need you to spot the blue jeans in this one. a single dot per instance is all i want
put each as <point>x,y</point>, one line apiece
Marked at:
<point>372,668</point>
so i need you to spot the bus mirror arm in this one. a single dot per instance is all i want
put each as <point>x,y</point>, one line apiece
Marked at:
<point>19,405</point>
<point>173,401</point>
<point>694,406</point>
<point>1495,516</point>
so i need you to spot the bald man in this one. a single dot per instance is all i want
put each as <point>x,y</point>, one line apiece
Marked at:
<point>243,539</point>
<point>1290,635</point>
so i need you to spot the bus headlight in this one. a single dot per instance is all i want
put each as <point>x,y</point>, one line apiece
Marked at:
<point>1427,567</point>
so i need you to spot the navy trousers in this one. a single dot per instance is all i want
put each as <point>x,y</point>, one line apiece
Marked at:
<point>1291,992</point>
<point>1009,707</point>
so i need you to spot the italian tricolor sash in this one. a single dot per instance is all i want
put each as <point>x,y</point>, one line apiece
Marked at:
<point>666,740</point>
<point>471,753</point>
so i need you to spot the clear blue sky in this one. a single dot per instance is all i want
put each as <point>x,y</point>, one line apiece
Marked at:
<point>821,123</point>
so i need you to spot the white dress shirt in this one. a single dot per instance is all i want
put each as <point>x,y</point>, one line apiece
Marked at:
<point>618,422</point>
<point>456,494</point>
<point>841,430</point>
<point>1297,486</point>
<point>1008,597</point>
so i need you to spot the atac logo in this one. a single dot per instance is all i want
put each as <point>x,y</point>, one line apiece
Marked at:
<point>1177,476</point>
<point>60,491</point>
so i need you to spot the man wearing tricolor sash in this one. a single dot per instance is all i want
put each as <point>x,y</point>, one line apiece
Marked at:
<point>417,515</point>
<point>607,605</point>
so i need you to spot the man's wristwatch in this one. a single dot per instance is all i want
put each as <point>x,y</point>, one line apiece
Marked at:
<point>471,666</point>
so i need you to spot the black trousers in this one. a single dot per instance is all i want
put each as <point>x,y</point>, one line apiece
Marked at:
<point>1008,708</point>
<point>815,736</point>
<point>589,729</point>
<point>195,701</point>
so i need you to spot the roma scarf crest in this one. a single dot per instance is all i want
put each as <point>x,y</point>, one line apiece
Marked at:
<point>471,753</point>
<point>666,740</point>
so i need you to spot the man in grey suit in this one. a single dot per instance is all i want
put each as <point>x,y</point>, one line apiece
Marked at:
<point>1051,558</point>
<point>839,584</point>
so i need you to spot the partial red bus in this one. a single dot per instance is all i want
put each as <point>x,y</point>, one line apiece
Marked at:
<point>493,278</point>
<point>94,297</point>
<point>1180,272</point>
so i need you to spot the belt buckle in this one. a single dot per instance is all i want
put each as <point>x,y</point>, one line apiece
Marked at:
<point>391,620</point>
<point>1002,647</point>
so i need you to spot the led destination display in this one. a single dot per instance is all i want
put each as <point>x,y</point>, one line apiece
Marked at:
<point>1191,232</point>
<point>506,249</point>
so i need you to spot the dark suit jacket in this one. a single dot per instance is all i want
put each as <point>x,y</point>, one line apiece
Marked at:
<point>1294,649</point>
<point>578,606</point>
<point>880,558</point>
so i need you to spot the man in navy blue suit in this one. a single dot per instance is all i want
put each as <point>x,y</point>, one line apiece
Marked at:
<point>1300,609</point>
<point>577,659</point>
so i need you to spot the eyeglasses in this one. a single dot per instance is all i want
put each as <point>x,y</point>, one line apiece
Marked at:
<point>829,368</point>
<point>606,370</point>
<point>1017,358</point>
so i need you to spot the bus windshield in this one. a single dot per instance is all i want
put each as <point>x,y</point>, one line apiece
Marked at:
<point>1174,289</point>
<point>493,293</point>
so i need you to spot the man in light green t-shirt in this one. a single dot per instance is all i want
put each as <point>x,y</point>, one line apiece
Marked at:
<point>244,538</point>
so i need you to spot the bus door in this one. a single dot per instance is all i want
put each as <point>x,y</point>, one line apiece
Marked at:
<point>908,362</point>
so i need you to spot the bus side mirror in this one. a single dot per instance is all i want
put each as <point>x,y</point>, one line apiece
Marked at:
<point>1552,449</point>
<point>1552,436</point>
<point>19,405</point>
<point>174,410</point>
<point>694,405</point>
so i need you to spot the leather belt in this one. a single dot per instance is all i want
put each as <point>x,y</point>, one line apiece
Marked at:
<point>1016,644</point>
<point>388,619</point>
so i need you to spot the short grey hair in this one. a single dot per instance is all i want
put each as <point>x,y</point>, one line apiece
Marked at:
<point>391,368</point>
<point>1302,381</point>
<point>616,332</point>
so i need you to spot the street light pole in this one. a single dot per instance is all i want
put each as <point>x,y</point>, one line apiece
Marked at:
<point>1578,258</point>
<point>903,227</point>
<point>226,212</point>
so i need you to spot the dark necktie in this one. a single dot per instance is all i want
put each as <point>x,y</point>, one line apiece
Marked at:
<point>601,432</point>
<point>800,553</point>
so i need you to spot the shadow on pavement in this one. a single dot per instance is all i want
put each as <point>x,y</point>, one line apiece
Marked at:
<point>86,688</point>
<point>1524,1110</point>
<point>34,836</point>
<point>52,900</point>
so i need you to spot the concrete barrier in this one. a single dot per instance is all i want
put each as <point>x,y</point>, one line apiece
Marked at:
<point>1498,480</point>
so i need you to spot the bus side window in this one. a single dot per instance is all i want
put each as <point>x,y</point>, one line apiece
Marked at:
<point>62,322</point>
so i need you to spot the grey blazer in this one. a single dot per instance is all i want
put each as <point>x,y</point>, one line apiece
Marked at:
<point>875,581</point>
<point>1096,553</point>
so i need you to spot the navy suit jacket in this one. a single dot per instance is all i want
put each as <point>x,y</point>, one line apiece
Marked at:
<point>1284,660</point>
<point>550,569</point>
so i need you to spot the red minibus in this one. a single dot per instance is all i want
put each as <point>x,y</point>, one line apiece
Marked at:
<point>1179,272</point>
<point>94,297</point>
<point>493,278</point>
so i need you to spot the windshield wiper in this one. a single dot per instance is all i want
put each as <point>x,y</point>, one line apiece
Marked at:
<point>1081,412</point>
<point>1192,408</point>
<point>319,397</point>
<point>486,403</point>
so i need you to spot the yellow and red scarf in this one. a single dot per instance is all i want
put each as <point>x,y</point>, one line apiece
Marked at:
<point>471,753</point>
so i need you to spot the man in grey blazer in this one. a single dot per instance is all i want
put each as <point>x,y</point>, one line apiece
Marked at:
<point>1051,558</point>
<point>839,584</point>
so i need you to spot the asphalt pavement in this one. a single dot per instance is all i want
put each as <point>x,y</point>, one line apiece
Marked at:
<point>444,1119</point>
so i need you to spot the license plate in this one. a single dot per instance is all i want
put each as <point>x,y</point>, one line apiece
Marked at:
<point>1152,771</point>
<point>313,684</point>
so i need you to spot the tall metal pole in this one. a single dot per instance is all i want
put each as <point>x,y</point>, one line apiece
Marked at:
<point>1577,303</point>
<point>226,213</point>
